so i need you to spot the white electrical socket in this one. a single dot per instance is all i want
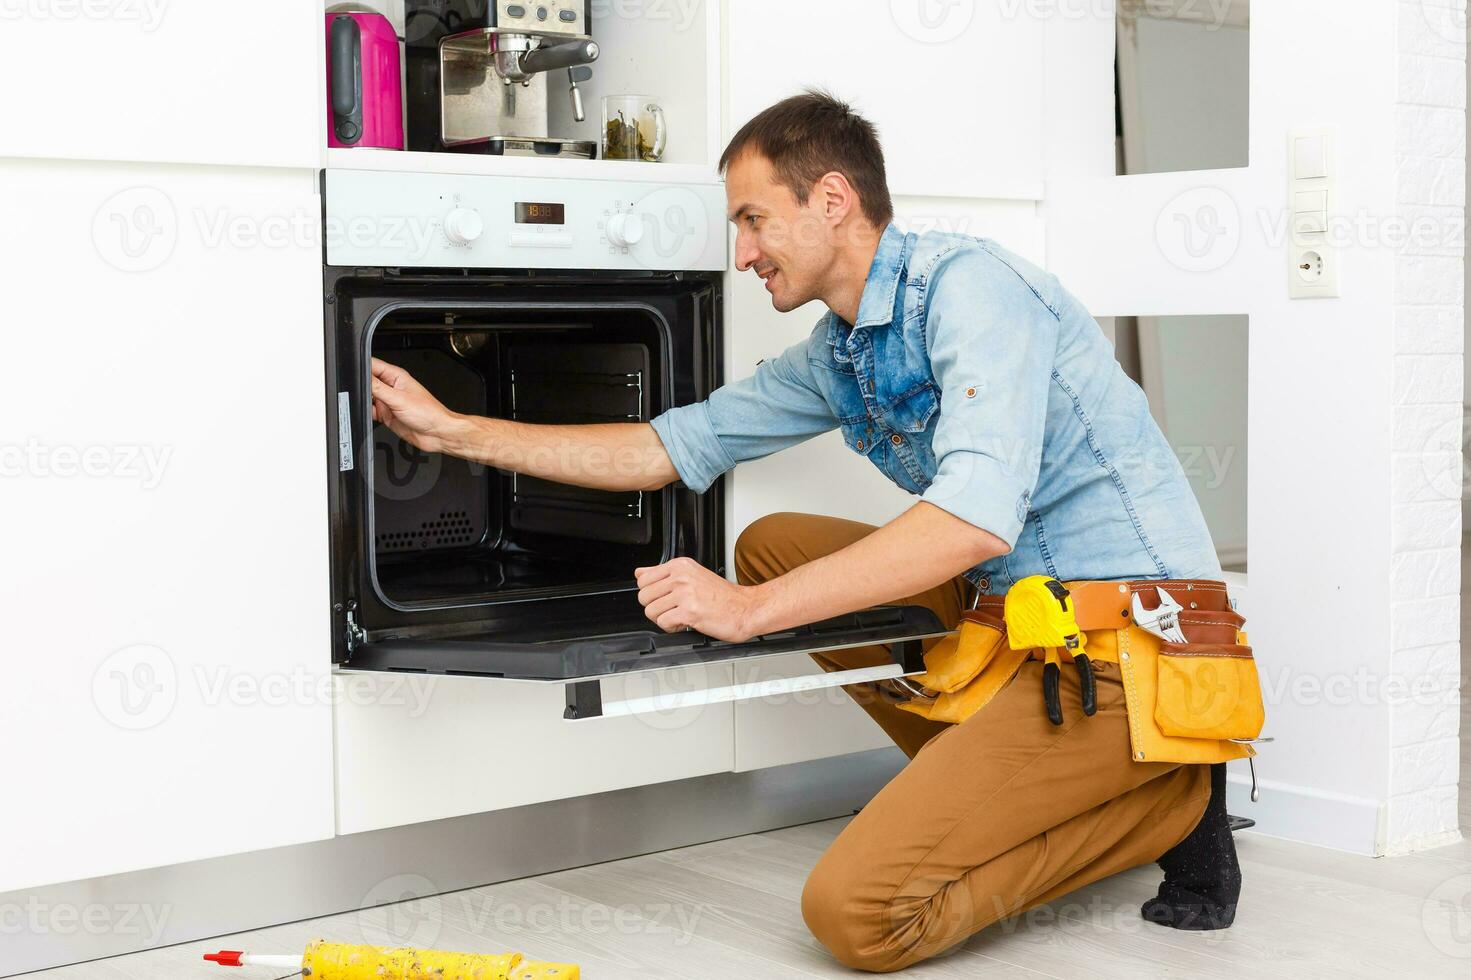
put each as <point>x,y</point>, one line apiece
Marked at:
<point>1312,258</point>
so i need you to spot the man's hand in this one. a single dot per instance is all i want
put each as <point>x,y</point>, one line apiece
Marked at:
<point>406,407</point>
<point>684,594</point>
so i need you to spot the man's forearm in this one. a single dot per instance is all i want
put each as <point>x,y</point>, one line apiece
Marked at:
<point>616,456</point>
<point>917,551</point>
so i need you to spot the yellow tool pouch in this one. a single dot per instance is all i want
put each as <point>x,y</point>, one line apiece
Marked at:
<point>1208,690</point>
<point>966,669</point>
<point>1192,702</point>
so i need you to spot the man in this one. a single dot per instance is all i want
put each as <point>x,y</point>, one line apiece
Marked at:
<point>972,379</point>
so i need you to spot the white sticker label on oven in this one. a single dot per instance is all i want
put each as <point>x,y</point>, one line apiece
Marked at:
<point>344,432</point>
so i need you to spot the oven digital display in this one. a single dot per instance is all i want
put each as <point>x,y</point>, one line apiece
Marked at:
<point>541,214</point>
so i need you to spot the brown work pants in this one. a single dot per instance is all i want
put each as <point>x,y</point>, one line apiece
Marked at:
<point>991,817</point>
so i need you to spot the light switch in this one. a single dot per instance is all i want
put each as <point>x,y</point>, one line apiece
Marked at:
<point>1309,158</point>
<point>1310,222</point>
<point>1310,201</point>
<point>1312,255</point>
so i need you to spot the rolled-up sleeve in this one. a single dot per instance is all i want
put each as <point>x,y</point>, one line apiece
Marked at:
<point>993,344</point>
<point>777,407</point>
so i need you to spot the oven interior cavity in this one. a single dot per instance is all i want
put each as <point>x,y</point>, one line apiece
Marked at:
<point>447,532</point>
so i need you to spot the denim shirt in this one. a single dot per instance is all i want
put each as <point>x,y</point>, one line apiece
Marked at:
<point>972,379</point>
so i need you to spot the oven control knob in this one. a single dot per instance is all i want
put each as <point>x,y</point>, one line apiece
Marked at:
<point>462,226</point>
<point>624,230</point>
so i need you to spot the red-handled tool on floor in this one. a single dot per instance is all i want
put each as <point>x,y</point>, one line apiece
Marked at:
<point>338,961</point>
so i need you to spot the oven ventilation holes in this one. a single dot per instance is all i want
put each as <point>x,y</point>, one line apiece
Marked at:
<point>452,528</point>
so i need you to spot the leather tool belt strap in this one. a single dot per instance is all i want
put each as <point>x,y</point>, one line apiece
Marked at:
<point>1110,606</point>
<point>1196,701</point>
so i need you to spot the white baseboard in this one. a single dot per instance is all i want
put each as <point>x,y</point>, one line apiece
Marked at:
<point>1311,816</point>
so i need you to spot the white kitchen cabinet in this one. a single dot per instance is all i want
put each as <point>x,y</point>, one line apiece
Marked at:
<point>798,727</point>
<point>162,473</point>
<point>421,747</point>
<point>155,80</point>
<point>955,89</point>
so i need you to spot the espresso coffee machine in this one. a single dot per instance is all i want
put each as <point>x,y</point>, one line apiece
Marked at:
<point>481,72</point>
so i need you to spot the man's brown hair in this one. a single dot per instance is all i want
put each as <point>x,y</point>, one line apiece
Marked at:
<point>813,134</point>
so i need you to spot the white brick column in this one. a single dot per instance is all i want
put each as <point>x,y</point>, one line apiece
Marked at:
<point>1423,683</point>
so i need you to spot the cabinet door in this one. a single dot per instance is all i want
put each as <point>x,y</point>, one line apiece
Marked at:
<point>163,81</point>
<point>162,467</point>
<point>955,89</point>
<point>417,747</point>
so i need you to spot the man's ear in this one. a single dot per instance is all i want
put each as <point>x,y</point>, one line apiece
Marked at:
<point>836,196</point>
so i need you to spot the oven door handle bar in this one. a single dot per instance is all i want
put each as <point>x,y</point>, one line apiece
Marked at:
<point>585,701</point>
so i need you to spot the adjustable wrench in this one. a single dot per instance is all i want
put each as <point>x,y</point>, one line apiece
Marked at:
<point>1164,621</point>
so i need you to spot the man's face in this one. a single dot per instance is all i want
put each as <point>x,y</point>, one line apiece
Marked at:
<point>789,245</point>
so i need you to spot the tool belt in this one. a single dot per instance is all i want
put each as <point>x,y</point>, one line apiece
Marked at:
<point>1196,701</point>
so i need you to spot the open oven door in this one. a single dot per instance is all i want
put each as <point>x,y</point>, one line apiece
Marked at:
<point>582,663</point>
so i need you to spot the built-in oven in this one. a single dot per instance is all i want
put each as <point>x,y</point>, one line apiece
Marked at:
<point>548,301</point>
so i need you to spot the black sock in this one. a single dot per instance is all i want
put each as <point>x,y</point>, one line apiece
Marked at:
<point>1202,876</point>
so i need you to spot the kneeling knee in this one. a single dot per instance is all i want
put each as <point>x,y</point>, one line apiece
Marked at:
<point>852,934</point>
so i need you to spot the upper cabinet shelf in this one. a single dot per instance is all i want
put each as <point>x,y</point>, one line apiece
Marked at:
<point>481,164</point>
<point>664,53</point>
